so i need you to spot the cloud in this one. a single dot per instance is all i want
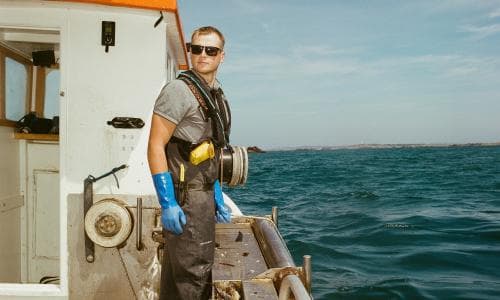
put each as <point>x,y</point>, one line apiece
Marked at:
<point>494,14</point>
<point>464,67</point>
<point>481,32</point>
<point>254,64</point>
<point>298,61</point>
<point>315,61</point>
<point>314,50</point>
<point>322,50</point>
<point>289,66</point>
<point>443,66</point>
<point>266,27</point>
<point>452,5</point>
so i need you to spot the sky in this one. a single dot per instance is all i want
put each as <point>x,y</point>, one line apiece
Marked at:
<point>332,73</point>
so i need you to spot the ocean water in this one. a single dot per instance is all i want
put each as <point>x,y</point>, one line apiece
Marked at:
<point>414,223</point>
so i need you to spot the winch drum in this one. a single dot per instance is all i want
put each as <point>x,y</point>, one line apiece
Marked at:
<point>234,169</point>
<point>108,223</point>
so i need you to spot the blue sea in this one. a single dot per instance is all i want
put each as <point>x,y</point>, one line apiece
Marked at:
<point>407,223</point>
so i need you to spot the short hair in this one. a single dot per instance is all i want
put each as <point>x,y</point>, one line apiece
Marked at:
<point>208,30</point>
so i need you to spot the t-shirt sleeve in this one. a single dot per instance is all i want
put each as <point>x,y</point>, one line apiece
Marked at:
<point>172,103</point>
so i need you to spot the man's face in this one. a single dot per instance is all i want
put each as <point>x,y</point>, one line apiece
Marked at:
<point>203,63</point>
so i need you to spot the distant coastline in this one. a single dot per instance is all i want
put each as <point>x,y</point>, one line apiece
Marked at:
<point>381,146</point>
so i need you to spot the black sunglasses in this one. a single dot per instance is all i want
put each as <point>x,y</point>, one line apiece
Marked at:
<point>209,50</point>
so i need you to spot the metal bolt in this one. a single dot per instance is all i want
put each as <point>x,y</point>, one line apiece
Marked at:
<point>108,225</point>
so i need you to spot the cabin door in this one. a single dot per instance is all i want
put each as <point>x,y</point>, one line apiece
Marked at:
<point>43,210</point>
<point>29,167</point>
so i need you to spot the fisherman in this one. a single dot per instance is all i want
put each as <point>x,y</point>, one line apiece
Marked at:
<point>190,125</point>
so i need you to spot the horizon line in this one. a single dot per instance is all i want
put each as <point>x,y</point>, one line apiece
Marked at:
<point>376,145</point>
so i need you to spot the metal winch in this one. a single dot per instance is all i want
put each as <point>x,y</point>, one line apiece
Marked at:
<point>108,223</point>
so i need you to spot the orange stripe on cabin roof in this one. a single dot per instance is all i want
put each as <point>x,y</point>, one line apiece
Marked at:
<point>169,5</point>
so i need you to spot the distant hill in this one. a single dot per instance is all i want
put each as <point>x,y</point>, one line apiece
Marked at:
<point>255,149</point>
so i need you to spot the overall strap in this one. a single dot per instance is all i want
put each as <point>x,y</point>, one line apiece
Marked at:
<point>196,93</point>
<point>212,107</point>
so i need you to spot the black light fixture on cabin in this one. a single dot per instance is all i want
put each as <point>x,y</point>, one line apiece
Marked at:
<point>44,58</point>
<point>108,34</point>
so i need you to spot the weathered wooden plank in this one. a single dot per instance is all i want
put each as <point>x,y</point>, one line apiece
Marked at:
<point>237,253</point>
<point>259,289</point>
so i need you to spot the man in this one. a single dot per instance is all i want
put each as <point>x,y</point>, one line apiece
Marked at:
<point>191,117</point>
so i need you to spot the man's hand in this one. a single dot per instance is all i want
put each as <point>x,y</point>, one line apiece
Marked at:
<point>222,214</point>
<point>172,216</point>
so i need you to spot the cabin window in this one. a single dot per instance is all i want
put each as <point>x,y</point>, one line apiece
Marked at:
<point>51,99</point>
<point>16,79</point>
<point>20,81</point>
<point>15,86</point>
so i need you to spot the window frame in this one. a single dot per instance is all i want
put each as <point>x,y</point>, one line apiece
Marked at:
<point>6,52</point>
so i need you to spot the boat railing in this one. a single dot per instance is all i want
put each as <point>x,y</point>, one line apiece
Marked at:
<point>292,285</point>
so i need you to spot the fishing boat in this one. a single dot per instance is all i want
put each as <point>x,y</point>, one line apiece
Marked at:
<point>78,211</point>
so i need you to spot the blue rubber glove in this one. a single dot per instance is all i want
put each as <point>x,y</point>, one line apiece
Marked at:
<point>172,215</point>
<point>222,214</point>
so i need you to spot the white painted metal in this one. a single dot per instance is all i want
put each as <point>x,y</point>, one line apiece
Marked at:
<point>24,221</point>
<point>123,82</point>
<point>31,291</point>
<point>42,207</point>
<point>11,199</point>
<point>34,37</point>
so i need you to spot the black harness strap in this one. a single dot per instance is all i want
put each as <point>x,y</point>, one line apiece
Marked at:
<point>211,106</point>
<point>196,94</point>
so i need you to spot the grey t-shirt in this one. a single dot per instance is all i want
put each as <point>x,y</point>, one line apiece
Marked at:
<point>177,104</point>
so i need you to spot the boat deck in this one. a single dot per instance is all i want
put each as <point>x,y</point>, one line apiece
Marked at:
<point>238,262</point>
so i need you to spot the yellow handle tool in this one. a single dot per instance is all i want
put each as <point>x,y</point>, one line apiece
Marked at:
<point>181,190</point>
<point>181,175</point>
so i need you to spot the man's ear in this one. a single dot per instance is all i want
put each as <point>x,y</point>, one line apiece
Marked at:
<point>222,54</point>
